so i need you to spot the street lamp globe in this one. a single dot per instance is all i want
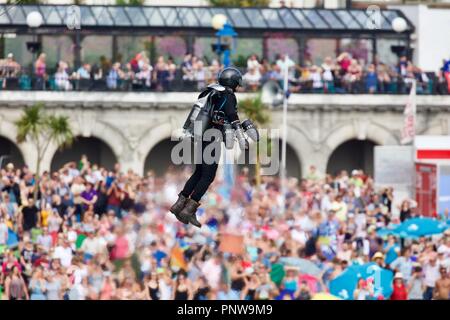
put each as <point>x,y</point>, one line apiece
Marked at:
<point>34,19</point>
<point>218,21</point>
<point>399,24</point>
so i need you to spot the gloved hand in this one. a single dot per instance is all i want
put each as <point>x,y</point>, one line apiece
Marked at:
<point>241,138</point>
<point>250,129</point>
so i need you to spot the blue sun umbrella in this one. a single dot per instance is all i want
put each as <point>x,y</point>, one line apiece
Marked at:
<point>382,232</point>
<point>345,284</point>
<point>419,227</point>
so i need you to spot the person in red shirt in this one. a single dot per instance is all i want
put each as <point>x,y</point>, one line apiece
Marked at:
<point>400,292</point>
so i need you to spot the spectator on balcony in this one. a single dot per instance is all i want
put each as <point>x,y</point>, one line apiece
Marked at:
<point>9,69</point>
<point>40,71</point>
<point>62,80</point>
<point>172,68</point>
<point>384,77</point>
<point>187,68</point>
<point>84,72</point>
<point>252,79</point>
<point>138,62</point>
<point>283,63</point>
<point>371,79</point>
<point>128,73</point>
<point>328,68</point>
<point>316,78</point>
<point>213,71</point>
<point>403,66</point>
<point>264,67</point>
<point>344,62</point>
<point>200,74</point>
<point>408,77</point>
<point>114,75</point>
<point>162,74</point>
<point>144,77</point>
<point>274,74</point>
<point>444,75</point>
<point>353,76</point>
<point>253,63</point>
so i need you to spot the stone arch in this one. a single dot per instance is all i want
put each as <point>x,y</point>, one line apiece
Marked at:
<point>10,152</point>
<point>101,131</point>
<point>358,129</point>
<point>8,131</point>
<point>361,130</point>
<point>152,137</point>
<point>97,150</point>
<point>159,158</point>
<point>352,154</point>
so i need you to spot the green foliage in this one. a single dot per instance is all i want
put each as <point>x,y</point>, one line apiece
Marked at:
<point>240,61</point>
<point>239,3</point>
<point>129,2</point>
<point>41,130</point>
<point>17,2</point>
<point>31,123</point>
<point>256,110</point>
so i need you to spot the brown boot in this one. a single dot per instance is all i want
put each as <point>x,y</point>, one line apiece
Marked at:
<point>188,212</point>
<point>178,206</point>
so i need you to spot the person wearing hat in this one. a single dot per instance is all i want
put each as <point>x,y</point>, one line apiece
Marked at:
<point>378,258</point>
<point>399,289</point>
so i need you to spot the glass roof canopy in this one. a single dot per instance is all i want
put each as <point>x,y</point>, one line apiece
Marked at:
<point>146,17</point>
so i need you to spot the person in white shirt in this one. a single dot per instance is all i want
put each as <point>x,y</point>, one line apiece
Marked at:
<point>92,246</point>
<point>252,79</point>
<point>431,272</point>
<point>145,75</point>
<point>299,235</point>
<point>326,201</point>
<point>253,63</point>
<point>316,78</point>
<point>212,270</point>
<point>282,63</point>
<point>63,252</point>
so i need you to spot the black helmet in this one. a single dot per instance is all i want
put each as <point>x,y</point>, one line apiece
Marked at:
<point>230,77</point>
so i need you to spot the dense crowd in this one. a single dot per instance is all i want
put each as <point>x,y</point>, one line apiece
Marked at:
<point>341,74</point>
<point>104,234</point>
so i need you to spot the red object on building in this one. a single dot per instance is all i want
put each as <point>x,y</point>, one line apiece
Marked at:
<point>426,191</point>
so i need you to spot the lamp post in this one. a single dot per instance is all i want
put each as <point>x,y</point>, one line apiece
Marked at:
<point>399,25</point>
<point>34,21</point>
<point>284,132</point>
<point>226,38</point>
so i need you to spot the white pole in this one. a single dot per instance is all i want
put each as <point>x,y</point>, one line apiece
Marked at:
<point>283,148</point>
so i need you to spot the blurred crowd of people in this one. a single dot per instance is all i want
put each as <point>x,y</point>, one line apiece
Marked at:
<point>345,74</point>
<point>341,74</point>
<point>94,233</point>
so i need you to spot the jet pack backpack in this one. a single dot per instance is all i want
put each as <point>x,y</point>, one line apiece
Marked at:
<point>201,113</point>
